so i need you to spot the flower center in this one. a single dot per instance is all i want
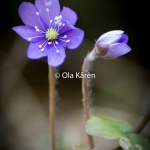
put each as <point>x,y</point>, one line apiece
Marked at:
<point>51,34</point>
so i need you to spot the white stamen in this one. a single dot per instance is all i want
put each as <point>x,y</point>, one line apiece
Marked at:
<point>64,40</point>
<point>57,21</point>
<point>65,36</point>
<point>56,18</point>
<point>60,17</point>
<point>50,25</point>
<point>36,28</point>
<point>37,13</point>
<point>42,49</point>
<point>49,43</point>
<point>43,45</point>
<point>40,46</point>
<point>47,9</point>
<point>50,21</point>
<point>29,39</point>
<point>57,50</point>
<point>56,42</point>
<point>60,23</point>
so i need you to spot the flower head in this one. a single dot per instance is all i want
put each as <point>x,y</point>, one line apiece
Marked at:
<point>48,30</point>
<point>112,44</point>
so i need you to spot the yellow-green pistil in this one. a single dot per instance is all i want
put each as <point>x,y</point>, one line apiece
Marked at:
<point>51,34</point>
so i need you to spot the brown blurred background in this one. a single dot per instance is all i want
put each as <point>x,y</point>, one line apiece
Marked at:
<point>120,90</point>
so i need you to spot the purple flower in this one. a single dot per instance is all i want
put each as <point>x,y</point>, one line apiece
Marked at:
<point>112,44</point>
<point>48,30</point>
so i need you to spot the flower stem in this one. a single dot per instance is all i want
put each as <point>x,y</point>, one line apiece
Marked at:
<point>52,106</point>
<point>143,123</point>
<point>85,100</point>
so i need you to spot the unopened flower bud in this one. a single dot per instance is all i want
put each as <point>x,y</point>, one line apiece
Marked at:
<point>100,50</point>
<point>112,44</point>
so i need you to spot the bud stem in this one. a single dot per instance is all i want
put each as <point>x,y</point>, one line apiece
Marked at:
<point>85,100</point>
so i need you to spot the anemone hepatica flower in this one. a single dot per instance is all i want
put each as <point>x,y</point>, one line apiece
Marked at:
<point>112,44</point>
<point>48,30</point>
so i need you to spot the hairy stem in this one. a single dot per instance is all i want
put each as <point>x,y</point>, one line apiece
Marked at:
<point>52,106</point>
<point>85,99</point>
<point>143,123</point>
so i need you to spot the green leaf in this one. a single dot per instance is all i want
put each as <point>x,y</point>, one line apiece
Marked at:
<point>134,142</point>
<point>106,127</point>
